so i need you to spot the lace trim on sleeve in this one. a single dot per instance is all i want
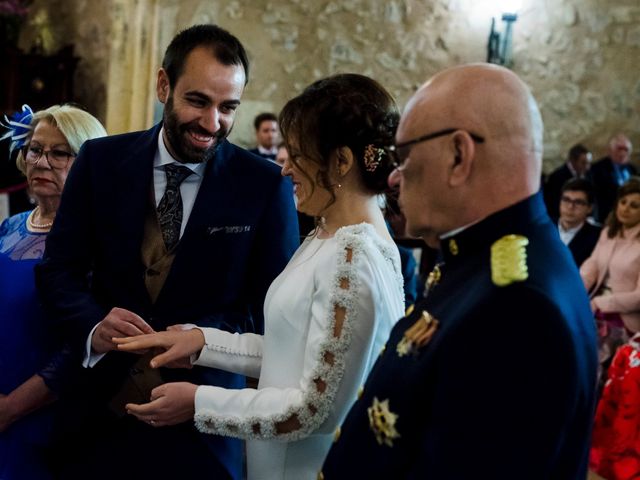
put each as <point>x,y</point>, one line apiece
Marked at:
<point>299,420</point>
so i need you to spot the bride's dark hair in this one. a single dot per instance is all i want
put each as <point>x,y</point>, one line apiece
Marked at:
<point>344,110</point>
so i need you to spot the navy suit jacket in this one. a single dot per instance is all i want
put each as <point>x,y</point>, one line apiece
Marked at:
<point>240,234</point>
<point>584,242</point>
<point>505,388</point>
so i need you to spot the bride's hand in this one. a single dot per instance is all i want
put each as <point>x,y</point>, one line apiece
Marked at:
<point>178,346</point>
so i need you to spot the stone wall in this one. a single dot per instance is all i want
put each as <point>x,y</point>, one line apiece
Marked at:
<point>86,24</point>
<point>580,57</point>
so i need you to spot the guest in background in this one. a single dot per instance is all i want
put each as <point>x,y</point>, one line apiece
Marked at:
<point>611,172</point>
<point>397,227</point>
<point>330,311</point>
<point>267,135</point>
<point>615,448</point>
<point>31,360</point>
<point>612,273</point>
<point>282,155</point>
<point>576,232</point>
<point>306,223</point>
<point>576,166</point>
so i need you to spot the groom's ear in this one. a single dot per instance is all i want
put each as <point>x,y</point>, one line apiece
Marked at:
<point>162,86</point>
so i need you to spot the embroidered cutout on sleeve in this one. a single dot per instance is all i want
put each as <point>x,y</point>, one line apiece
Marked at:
<point>303,418</point>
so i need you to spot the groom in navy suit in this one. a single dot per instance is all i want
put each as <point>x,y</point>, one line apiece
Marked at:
<point>173,225</point>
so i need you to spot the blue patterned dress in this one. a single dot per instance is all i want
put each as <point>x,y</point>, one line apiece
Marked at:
<point>26,348</point>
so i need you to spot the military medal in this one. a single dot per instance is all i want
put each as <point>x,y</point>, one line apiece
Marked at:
<point>383,422</point>
<point>418,335</point>
<point>433,278</point>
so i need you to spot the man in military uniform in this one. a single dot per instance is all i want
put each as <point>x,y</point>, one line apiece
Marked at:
<point>493,374</point>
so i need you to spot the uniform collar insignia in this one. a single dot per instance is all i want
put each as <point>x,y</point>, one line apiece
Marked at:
<point>418,335</point>
<point>434,276</point>
<point>509,260</point>
<point>432,279</point>
<point>383,422</point>
<point>453,247</point>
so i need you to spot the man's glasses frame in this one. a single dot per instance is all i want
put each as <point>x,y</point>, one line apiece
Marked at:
<point>400,152</point>
<point>57,159</point>
<point>575,202</point>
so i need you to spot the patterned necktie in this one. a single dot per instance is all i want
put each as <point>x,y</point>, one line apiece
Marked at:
<point>170,206</point>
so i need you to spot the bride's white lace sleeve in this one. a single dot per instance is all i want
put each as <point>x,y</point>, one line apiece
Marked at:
<point>239,353</point>
<point>337,349</point>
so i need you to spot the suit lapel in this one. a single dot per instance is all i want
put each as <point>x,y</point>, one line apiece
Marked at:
<point>134,176</point>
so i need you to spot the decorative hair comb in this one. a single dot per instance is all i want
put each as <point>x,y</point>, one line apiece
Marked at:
<point>18,127</point>
<point>372,157</point>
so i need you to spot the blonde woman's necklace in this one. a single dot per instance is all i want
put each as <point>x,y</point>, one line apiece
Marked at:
<point>40,226</point>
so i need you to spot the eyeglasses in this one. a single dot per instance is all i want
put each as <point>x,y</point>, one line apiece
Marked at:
<point>576,202</point>
<point>400,152</point>
<point>56,158</point>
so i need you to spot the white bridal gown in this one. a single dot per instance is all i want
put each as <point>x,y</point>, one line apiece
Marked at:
<point>309,374</point>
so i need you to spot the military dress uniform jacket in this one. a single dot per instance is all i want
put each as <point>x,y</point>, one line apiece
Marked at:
<point>501,385</point>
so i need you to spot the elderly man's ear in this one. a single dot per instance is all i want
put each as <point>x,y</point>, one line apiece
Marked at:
<point>463,150</point>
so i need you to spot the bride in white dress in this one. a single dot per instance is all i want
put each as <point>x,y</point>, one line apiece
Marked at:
<point>327,315</point>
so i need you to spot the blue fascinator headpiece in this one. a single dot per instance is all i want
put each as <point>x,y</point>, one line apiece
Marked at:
<point>18,127</point>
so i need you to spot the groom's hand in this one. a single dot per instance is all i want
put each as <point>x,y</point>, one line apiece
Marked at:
<point>118,323</point>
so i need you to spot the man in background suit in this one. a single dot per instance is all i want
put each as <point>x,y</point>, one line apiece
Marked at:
<point>267,135</point>
<point>576,166</point>
<point>576,232</point>
<point>492,375</point>
<point>610,172</point>
<point>173,225</point>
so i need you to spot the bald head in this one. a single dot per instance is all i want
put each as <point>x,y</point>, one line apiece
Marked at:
<point>478,178</point>
<point>491,101</point>
<point>620,148</point>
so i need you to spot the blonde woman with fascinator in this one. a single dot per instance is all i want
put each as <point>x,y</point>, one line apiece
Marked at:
<point>327,315</point>
<point>30,361</point>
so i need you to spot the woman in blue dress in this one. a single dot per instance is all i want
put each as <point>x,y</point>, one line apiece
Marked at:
<point>31,361</point>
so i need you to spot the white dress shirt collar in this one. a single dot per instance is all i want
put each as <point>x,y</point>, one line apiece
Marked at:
<point>163,157</point>
<point>567,235</point>
<point>267,151</point>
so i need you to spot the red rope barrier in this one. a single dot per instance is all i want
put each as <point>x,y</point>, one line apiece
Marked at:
<point>14,188</point>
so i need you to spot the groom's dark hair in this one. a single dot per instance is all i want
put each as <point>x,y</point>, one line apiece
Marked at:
<point>225,47</point>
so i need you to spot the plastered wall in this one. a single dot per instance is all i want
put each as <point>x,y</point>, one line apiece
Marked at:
<point>580,57</point>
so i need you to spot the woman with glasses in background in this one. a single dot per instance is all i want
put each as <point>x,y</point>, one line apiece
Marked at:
<point>31,361</point>
<point>612,276</point>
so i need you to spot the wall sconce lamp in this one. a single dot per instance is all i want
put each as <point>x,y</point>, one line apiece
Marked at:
<point>499,47</point>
